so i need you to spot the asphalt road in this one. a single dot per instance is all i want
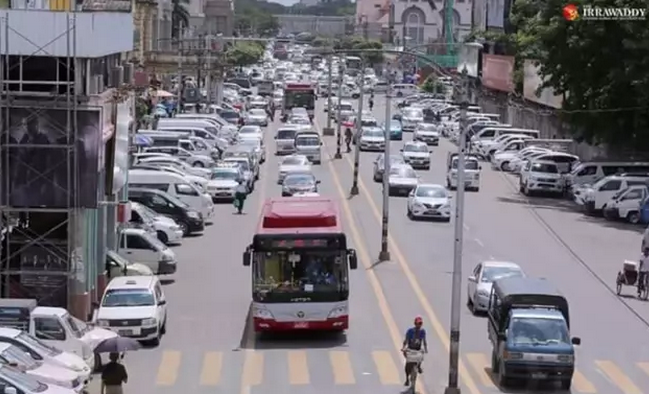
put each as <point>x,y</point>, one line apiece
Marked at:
<point>208,347</point>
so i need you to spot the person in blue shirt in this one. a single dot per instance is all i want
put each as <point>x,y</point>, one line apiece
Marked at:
<point>415,340</point>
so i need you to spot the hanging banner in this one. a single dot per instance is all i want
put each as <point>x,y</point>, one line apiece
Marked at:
<point>531,83</point>
<point>122,132</point>
<point>479,15</point>
<point>497,72</point>
<point>468,58</point>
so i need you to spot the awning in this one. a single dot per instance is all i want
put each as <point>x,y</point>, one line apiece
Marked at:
<point>143,140</point>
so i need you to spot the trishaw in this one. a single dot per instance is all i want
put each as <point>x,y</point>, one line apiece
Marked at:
<point>629,277</point>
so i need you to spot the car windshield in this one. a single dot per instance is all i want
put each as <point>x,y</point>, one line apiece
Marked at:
<point>490,274</point>
<point>248,130</point>
<point>78,327</point>
<point>403,172</point>
<point>244,164</point>
<point>395,124</point>
<point>307,141</point>
<point>13,354</point>
<point>257,112</point>
<point>176,201</point>
<point>373,133</point>
<point>293,161</point>
<point>299,120</point>
<point>37,344</point>
<point>286,134</point>
<point>413,113</point>
<point>415,148</point>
<point>23,381</point>
<point>468,164</point>
<point>433,192</point>
<point>225,175</point>
<point>299,180</point>
<point>538,331</point>
<point>547,168</point>
<point>128,297</point>
<point>299,112</point>
<point>229,115</point>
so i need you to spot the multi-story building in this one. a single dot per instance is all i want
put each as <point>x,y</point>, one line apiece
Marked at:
<point>58,114</point>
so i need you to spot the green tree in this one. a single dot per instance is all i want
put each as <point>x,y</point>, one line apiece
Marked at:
<point>432,85</point>
<point>352,43</point>
<point>244,53</point>
<point>179,16</point>
<point>599,67</point>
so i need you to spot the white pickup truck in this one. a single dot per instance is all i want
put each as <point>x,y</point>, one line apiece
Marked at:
<point>55,326</point>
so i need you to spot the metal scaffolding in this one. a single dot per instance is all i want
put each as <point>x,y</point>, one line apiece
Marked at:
<point>39,166</point>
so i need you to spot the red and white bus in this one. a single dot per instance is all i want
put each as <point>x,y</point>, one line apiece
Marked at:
<point>298,95</point>
<point>300,266</point>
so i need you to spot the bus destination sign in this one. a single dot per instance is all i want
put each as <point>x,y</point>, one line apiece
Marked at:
<point>302,243</point>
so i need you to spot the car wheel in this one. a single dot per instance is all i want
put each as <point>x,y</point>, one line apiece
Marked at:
<point>184,227</point>
<point>471,305</point>
<point>377,178</point>
<point>504,166</point>
<point>162,237</point>
<point>163,329</point>
<point>633,217</point>
<point>198,164</point>
<point>409,214</point>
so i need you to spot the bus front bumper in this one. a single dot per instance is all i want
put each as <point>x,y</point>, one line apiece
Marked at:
<point>332,324</point>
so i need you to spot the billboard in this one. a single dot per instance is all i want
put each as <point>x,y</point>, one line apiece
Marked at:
<point>36,155</point>
<point>531,83</point>
<point>497,72</point>
<point>468,58</point>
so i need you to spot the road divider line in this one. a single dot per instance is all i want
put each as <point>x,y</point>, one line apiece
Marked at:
<point>581,384</point>
<point>366,261</point>
<point>414,283</point>
<point>386,367</point>
<point>211,371</point>
<point>478,242</point>
<point>480,365</point>
<point>342,367</point>
<point>253,370</point>
<point>644,367</point>
<point>298,368</point>
<point>168,370</point>
<point>615,375</point>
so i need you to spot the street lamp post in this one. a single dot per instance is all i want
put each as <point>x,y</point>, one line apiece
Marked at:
<point>384,255</point>
<point>357,134</point>
<point>329,130</point>
<point>456,290</point>
<point>339,137</point>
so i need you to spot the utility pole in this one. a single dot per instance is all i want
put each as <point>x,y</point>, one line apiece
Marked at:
<point>456,291</point>
<point>357,134</point>
<point>208,73</point>
<point>180,81</point>
<point>329,130</point>
<point>339,137</point>
<point>384,255</point>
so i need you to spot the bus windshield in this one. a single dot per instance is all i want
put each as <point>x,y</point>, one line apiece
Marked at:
<point>305,275</point>
<point>304,99</point>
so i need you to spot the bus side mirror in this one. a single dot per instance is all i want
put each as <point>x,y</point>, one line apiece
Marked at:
<point>353,260</point>
<point>247,255</point>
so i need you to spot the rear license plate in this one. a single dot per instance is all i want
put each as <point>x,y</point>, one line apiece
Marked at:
<point>301,325</point>
<point>539,375</point>
<point>125,333</point>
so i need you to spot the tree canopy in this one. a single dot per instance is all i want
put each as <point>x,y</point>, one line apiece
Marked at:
<point>244,53</point>
<point>352,43</point>
<point>600,66</point>
<point>323,8</point>
<point>432,85</point>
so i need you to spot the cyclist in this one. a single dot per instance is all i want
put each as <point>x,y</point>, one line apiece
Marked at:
<point>643,270</point>
<point>415,340</point>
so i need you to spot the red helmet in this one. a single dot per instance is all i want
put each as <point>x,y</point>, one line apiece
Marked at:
<point>419,320</point>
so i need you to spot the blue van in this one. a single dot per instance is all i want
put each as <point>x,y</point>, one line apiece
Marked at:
<point>529,328</point>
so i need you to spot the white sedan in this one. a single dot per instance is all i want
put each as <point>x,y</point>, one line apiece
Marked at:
<point>250,131</point>
<point>429,201</point>
<point>293,163</point>
<point>482,278</point>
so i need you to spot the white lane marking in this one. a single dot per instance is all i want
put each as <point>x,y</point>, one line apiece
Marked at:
<point>478,242</point>
<point>466,227</point>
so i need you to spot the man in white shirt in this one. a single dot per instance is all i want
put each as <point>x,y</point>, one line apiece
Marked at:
<point>643,269</point>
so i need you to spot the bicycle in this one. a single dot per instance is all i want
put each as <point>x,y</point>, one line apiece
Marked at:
<point>413,360</point>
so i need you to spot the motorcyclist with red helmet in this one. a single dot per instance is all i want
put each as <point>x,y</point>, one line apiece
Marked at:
<point>415,339</point>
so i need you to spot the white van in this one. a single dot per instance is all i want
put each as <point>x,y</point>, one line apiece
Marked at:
<point>590,172</point>
<point>596,197</point>
<point>309,144</point>
<point>138,246</point>
<point>626,204</point>
<point>564,161</point>
<point>285,140</point>
<point>176,185</point>
<point>471,172</point>
<point>489,133</point>
<point>403,89</point>
<point>173,123</point>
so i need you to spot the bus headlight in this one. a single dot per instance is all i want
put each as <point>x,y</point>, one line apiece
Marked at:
<point>262,313</point>
<point>337,312</point>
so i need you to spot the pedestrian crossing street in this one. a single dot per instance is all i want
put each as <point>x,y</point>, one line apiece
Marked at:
<point>383,367</point>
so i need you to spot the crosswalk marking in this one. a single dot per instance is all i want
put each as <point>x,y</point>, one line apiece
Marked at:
<point>211,373</point>
<point>386,368</point>
<point>479,363</point>
<point>618,377</point>
<point>644,367</point>
<point>253,368</point>
<point>298,369</point>
<point>168,371</point>
<point>342,367</point>
<point>581,384</point>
